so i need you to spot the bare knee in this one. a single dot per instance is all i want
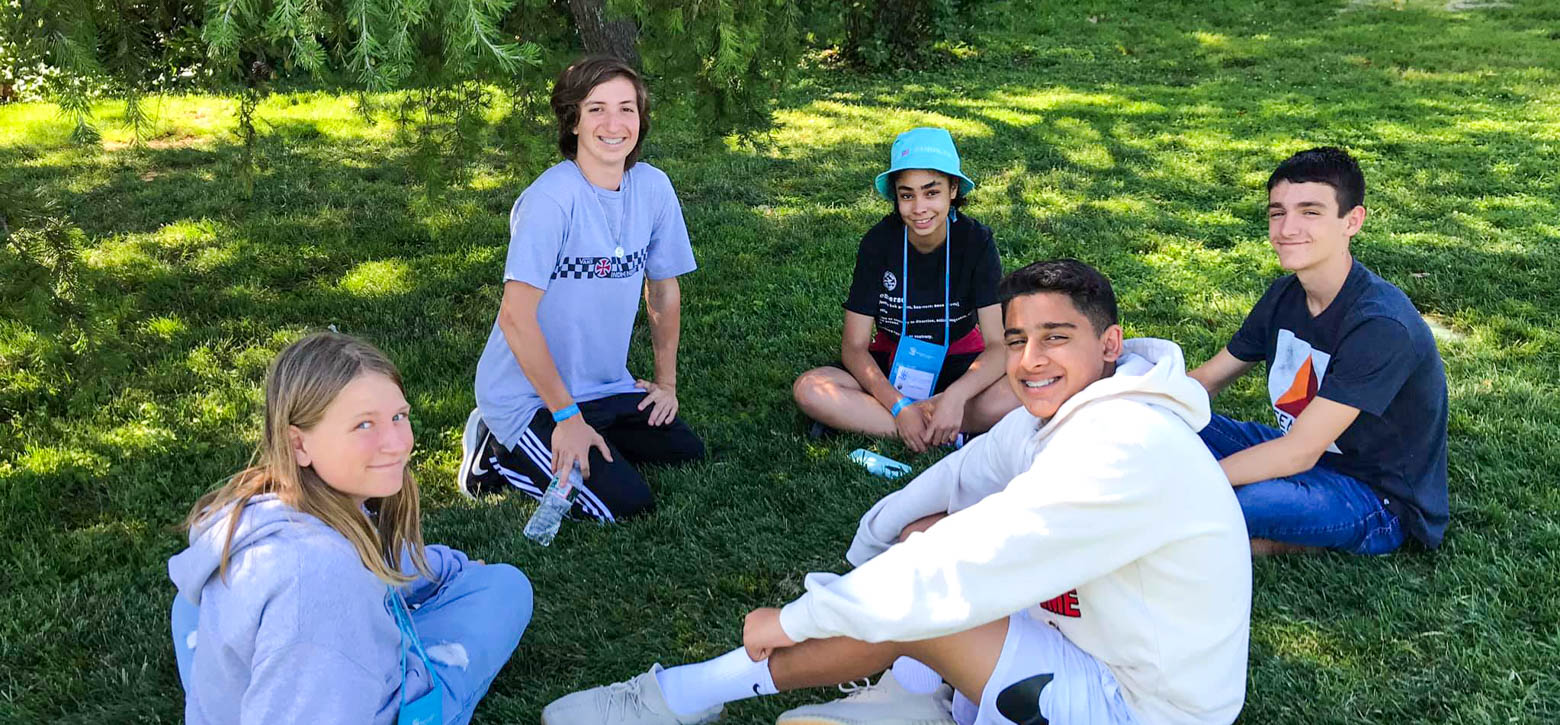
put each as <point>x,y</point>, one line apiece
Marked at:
<point>810,389</point>
<point>965,659</point>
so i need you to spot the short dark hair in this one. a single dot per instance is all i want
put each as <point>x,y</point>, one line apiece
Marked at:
<point>959,200</point>
<point>1325,165</point>
<point>1089,290</point>
<point>577,81</point>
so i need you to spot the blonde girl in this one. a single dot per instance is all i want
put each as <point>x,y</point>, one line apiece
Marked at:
<point>307,594</point>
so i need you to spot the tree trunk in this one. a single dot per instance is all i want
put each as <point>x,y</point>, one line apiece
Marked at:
<point>600,36</point>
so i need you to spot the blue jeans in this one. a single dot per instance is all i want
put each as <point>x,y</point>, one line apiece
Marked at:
<point>1320,507</point>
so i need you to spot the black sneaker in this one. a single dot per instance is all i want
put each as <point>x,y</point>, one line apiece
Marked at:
<point>476,475</point>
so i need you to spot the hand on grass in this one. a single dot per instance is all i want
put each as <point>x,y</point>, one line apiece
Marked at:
<point>571,443</point>
<point>911,424</point>
<point>946,419</point>
<point>762,634</point>
<point>663,397</point>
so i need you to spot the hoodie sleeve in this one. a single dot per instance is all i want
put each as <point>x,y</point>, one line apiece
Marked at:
<point>445,564</point>
<point>1099,495</point>
<point>307,682</point>
<point>970,473</point>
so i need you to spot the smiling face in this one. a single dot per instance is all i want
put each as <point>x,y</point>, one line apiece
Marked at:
<point>1304,226</point>
<point>361,446</point>
<point>609,125</point>
<point>1053,351</point>
<point>923,198</point>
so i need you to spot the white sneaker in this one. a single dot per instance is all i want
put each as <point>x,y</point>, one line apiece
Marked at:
<point>636,702</point>
<point>884,703</point>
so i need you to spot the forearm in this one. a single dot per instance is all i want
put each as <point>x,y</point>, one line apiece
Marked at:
<point>526,343</point>
<point>663,304</point>
<point>986,369</point>
<point>1220,370</point>
<point>930,493</point>
<point>861,366</point>
<point>1212,386</point>
<point>1274,459</point>
<point>972,567</point>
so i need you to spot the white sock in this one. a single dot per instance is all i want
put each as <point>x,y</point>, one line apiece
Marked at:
<point>915,676</point>
<point>691,689</point>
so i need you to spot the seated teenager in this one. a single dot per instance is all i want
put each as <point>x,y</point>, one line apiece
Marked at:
<point>585,238</point>
<point>307,595</point>
<point>944,377</point>
<point>1358,459</point>
<point>1091,566</point>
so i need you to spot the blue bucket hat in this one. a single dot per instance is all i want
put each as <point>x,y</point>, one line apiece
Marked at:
<point>924,148</point>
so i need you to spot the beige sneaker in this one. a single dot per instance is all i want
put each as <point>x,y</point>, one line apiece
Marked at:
<point>636,702</point>
<point>883,703</point>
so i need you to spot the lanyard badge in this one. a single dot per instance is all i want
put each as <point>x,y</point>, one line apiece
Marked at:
<point>428,709</point>
<point>917,363</point>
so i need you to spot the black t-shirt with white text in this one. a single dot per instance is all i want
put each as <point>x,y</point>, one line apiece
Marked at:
<point>1370,350</point>
<point>877,289</point>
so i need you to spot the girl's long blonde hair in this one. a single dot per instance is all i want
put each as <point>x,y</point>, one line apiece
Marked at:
<point>300,384</point>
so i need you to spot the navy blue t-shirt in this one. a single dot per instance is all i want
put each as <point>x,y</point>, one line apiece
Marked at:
<point>1369,350</point>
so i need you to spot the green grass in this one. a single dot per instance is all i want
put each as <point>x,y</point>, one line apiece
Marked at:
<point>1135,138</point>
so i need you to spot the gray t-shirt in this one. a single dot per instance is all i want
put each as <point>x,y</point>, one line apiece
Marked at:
<point>589,249</point>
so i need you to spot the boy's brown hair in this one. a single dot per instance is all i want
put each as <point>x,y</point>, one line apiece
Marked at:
<point>576,82</point>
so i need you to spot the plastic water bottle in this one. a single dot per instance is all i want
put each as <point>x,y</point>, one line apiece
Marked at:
<point>555,504</point>
<point>879,465</point>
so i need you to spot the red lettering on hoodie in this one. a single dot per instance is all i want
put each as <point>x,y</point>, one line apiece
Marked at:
<point>1065,605</point>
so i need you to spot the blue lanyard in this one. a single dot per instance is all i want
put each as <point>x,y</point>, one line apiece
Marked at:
<point>904,274</point>
<point>403,622</point>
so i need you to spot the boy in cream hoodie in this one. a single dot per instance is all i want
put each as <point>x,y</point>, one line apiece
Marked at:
<point>1083,562</point>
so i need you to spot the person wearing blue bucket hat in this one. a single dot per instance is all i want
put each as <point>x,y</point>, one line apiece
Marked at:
<point>930,270</point>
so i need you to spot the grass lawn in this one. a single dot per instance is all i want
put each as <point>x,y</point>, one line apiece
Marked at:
<point>1135,138</point>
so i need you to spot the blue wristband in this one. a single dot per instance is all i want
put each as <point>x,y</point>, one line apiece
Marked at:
<point>566,413</point>
<point>899,406</point>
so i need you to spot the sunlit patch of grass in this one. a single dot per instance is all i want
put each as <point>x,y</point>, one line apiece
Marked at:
<point>377,278</point>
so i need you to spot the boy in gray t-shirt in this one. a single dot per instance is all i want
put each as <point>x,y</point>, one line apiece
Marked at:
<point>585,238</point>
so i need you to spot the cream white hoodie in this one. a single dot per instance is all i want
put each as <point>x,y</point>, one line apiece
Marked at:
<point>1111,521</point>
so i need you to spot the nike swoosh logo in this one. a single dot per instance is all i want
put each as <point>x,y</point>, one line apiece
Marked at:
<point>1020,701</point>
<point>476,465</point>
<point>755,689</point>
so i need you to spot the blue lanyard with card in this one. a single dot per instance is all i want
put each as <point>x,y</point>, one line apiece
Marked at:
<point>428,709</point>
<point>917,363</point>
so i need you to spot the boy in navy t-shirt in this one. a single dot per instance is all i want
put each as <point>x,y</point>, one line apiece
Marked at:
<point>1358,460</point>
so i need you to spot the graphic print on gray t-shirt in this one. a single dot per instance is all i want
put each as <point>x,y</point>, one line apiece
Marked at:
<point>562,241</point>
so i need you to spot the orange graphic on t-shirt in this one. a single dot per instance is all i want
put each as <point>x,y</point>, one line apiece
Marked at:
<point>1300,392</point>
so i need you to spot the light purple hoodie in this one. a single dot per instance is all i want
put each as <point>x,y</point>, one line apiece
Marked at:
<point>300,631</point>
